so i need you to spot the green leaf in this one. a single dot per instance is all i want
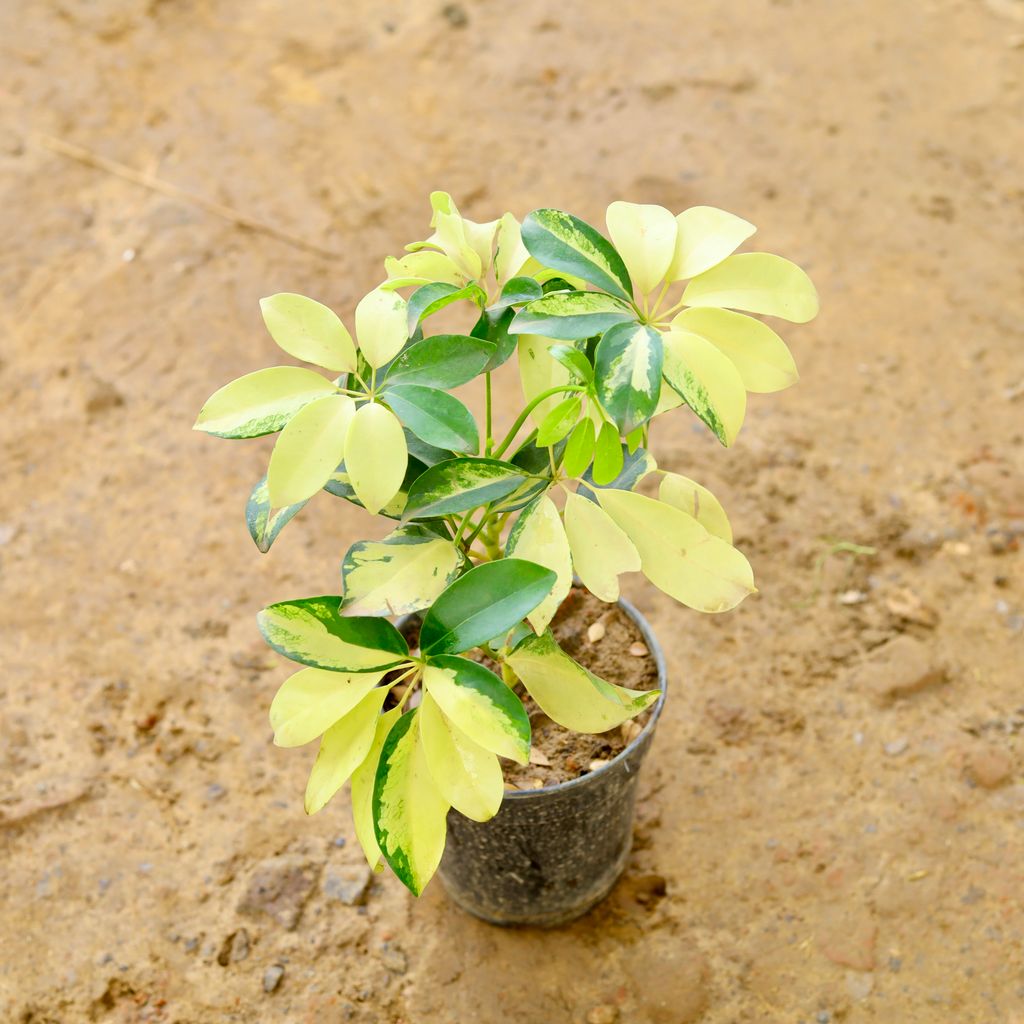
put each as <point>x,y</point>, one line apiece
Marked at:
<point>569,316</point>
<point>309,331</point>
<point>580,449</point>
<point>574,361</point>
<point>539,537</point>
<point>707,381</point>
<point>697,501</point>
<point>627,374</point>
<point>559,421</point>
<point>312,700</point>
<point>705,237</point>
<point>608,458</point>
<point>345,745</point>
<point>441,361</point>
<point>363,779</point>
<point>645,235</point>
<point>424,453</point>
<point>758,353</point>
<point>570,695</point>
<point>516,292</point>
<point>635,466</point>
<point>403,573</point>
<point>493,327</point>
<point>678,555</point>
<point>485,601</point>
<point>459,485</point>
<point>432,298</point>
<point>480,704</point>
<point>409,811</point>
<point>434,416</point>
<point>601,552</point>
<point>260,403</point>
<point>758,282</point>
<point>312,632</point>
<point>468,776</point>
<point>376,456</point>
<point>381,326</point>
<point>264,522</point>
<point>533,460</point>
<point>309,449</point>
<point>564,242</point>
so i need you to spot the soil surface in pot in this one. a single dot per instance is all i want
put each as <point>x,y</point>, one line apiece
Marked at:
<point>605,640</point>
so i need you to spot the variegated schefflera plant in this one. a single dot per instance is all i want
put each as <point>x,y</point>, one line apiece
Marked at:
<point>610,333</point>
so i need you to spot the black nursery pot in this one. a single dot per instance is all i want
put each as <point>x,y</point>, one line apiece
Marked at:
<point>550,855</point>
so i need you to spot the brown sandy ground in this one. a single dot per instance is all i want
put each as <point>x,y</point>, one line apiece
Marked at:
<point>831,828</point>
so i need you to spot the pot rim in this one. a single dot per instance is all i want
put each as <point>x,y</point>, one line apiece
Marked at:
<point>659,660</point>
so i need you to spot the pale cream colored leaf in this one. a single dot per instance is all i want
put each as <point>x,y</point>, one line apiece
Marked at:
<point>510,255</point>
<point>539,537</point>
<point>381,325</point>
<point>697,501</point>
<point>601,552</point>
<point>539,371</point>
<point>645,237</point>
<point>312,700</point>
<point>376,456</point>
<point>308,330</point>
<point>705,237</point>
<point>363,779</point>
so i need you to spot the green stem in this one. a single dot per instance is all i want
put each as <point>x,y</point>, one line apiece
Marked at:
<point>488,440</point>
<point>530,406</point>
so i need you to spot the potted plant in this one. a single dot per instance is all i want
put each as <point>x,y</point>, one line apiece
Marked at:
<point>491,538</point>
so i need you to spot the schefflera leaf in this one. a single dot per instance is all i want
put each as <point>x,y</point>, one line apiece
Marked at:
<point>310,331</point>
<point>645,237</point>
<point>707,381</point>
<point>263,520</point>
<point>539,372</point>
<point>409,811</point>
<point>261,402</point>
<point>468,776</point>
<point>678,555</point>
<point>627,373</point>
<point>764,362</point>
<point>757,282</point>
<point>434,416</point>
<point>405,572</point>
<point>697,501</point>
<point>480,704</point>
<point>705,236</point>
<point>312,700</point>
<point>376,456</point>
<point>457,485</point>
<point>569,694</point>
<point>571,315</point>
<point>344,746</point>
<point>309,449</point>
<point>312,632</point>
<point>539,537</point>
<point>363,779</point>
<point>601,551</point>
<point>488,600</point>
<point>381,325</point>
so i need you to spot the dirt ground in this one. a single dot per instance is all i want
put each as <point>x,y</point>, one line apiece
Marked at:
<point>832,819</point>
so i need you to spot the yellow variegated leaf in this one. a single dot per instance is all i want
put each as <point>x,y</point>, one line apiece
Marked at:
<point>678,555</point>
<point>381,325</point>
<point>481,240</point>
<point>645,237</point>
<point>376,456</point>
<point>758,282</point>
<point>409,811</point>
<point>539,371</point>
<point>343,748</point>
<point>600,550</point>
<point>570,695</point>
<point>308,330</point>
<point>760,355</point>
<point>309,449</point>
<point>261,402</point>
<point>697,501</point>
<point>419,268</point>
<point>706,236</point>
<point>451,235</point>
<point>312,700</point>
<point>510,255</point>
<point>707,380</point>
<point>362,790</point>
<point>539,537</point>
<point>403,573</point>
<point>468,776</point>
<point>668,400</point>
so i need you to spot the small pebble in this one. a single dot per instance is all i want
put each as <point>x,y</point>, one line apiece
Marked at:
<point>853,597</point>
<point>638,650</point>
<point>596,632</point>
<point>630,731</point>
<point>272,978</point>
<point>536,783</point>
<point>896,747</point>
<point>598,762</point>
<point>128,255</point>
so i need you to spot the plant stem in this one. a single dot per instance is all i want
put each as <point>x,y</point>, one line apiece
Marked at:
<point>521,418</point>
<point>488,440</point>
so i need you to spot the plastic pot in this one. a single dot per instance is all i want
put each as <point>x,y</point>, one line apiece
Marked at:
<point>550,855</point>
